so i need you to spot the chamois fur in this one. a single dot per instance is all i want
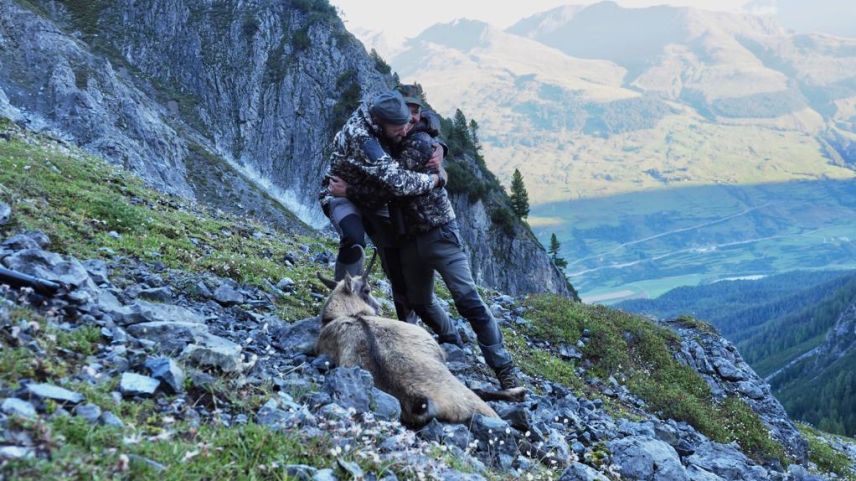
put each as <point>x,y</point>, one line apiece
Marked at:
<point>405,361</point>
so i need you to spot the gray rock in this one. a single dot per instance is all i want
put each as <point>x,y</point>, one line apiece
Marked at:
<point>50,266</point>
<point>167,371</point>
<point>137,385</point>
<point>518,416</point>
<point>27,240</point>
<point>298,337</point>
<point>493,435</point>
<point>144,311</point>
<point>350,387</point>
<point>728,370</point>
<point>284,415</point>
<point>202,290</point>
<point>695,473</point>
<point>5,213</point>
<point>157,294</point>
<point>90,412</point>
<point>18,407</point>
<point>217,352</point>
<point>569,352</point>
<point>351,468</point>
<point>723,460</point>
<point>454,353</point>
<point>97,270</point>
<point>300,472</point>
<point>170,337</point>
<point>228,294</point>
<point>751,390</point>
<point>110,419</point>
<point>325,475</point>
<point>648,459</point>
<point>385,406</point>
<point>54,393</point>
<point>17,452</point>
<point>581,472</point>
<point>285,284</point>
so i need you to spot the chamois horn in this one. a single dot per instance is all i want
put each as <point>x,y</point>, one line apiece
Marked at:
<point>368,269</point>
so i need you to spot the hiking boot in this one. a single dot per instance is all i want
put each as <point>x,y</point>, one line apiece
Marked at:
<point>507,377</point>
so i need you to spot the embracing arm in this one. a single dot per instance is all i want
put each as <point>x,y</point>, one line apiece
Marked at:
<point>395,179</point>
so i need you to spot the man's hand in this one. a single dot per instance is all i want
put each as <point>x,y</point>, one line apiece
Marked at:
<point>436,159</point>
<point>442,177</point>
<point>337,187</point>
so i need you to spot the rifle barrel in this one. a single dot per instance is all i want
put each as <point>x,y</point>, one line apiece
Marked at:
<point>19,279</point>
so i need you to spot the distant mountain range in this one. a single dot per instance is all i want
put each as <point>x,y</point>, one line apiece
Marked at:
<point>597,100</point>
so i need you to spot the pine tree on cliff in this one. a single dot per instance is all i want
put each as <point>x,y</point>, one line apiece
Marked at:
<point>461,130</point>
<point>554,252</point>
<point>519,196</point>
<point>474,135</point>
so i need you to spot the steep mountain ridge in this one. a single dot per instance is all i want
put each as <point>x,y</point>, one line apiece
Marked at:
<point>229,103</point>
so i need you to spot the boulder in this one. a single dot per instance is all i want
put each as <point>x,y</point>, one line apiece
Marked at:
<point>299,337</point>
<point>228,294</point>
<point>97,270</point>
<point>50,266</point>
<point>18,407</point>
<point>27,240</point>
<point>217,352</point>
<point>90,412</point>
<point>350,387</point>
<point>54,393</point>
<point>167,371</point>
<point>581,472</point>
<point>137,385</point>
<point>385,406</point>
<point>646,459</point>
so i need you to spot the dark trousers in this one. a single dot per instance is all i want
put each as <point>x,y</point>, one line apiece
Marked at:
<point>441,250</point>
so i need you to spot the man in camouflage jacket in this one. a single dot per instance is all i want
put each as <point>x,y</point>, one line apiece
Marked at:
<point>359,158</point>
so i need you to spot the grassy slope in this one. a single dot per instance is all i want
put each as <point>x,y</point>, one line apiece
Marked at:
<point>77,200</point>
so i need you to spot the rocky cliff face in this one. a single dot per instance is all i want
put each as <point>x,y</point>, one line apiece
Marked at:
<point>230,103</point>
<point>722,367</point>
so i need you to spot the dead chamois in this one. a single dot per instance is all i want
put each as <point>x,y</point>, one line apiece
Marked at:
<point>405,361</point>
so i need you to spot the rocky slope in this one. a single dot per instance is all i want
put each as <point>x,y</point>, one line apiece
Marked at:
<point>168,358</point>
<point>232,104</point>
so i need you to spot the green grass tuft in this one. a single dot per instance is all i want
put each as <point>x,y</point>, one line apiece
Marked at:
<point>639,351</point>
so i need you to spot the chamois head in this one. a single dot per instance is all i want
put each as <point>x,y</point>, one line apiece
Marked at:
<point>352,296</point>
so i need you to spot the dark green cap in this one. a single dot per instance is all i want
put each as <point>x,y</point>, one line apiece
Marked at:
<point>412,94</point>
<point>389,108</point>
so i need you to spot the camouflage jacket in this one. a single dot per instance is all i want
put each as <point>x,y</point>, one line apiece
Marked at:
<point>420,213</point>
<point>359,159</point>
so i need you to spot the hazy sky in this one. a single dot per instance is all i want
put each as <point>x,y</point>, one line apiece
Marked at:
<point>399,20</point>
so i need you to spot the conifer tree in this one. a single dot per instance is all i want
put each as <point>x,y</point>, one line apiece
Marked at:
<point>474,135</point>
<point>519,196</point>
<point>461,128</point>
<point>554,252</point>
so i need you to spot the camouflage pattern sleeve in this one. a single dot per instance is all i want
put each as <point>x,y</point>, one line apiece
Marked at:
<point>366,196</point>
<point>386,171</point>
